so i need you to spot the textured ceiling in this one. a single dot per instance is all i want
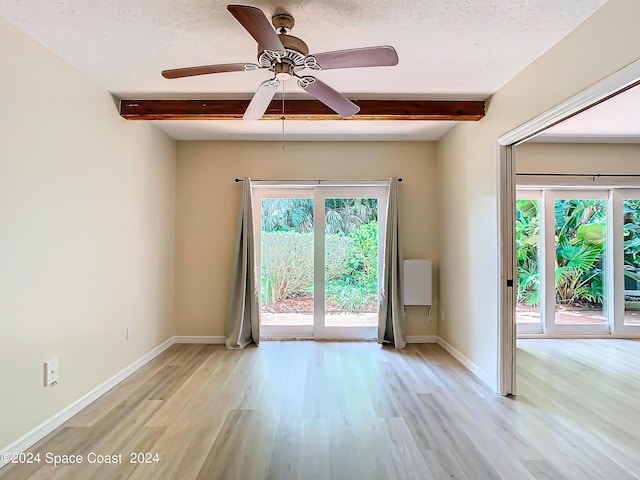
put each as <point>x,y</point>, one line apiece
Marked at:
<point>458,49</point>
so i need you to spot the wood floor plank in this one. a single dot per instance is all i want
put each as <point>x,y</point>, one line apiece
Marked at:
<point>323,410</point>
<point>314,450</point>
<point>96,410</point>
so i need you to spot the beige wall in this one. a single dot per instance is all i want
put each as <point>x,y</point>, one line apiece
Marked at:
<point>467,168</point>
<point>86,234</point>
<point>578,158</point>
<point>208,202</point>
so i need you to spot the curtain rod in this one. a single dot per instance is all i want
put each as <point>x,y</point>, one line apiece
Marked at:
<point>317,180</point>
<point>588,175</point>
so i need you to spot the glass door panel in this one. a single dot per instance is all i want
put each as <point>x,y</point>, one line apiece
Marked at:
<point>351,262</point>
<point>528,262</point>
<point>580,241</point>
<point>631,248</point>
<point>286,253</point>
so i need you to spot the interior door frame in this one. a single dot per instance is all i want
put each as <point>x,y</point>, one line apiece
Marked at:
<point>319,192</point>
<point>619,82</point>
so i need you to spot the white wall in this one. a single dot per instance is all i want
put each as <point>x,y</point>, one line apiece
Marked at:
<point>467,165</point>
<point>208,205</point>
<point>86,234</point>
<point>583,158</point>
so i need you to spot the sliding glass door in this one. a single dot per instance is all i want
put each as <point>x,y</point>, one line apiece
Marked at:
<point>320,255</point>
<point>578,261</point>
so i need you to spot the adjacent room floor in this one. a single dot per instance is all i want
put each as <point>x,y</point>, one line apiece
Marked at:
<point>321,410</point>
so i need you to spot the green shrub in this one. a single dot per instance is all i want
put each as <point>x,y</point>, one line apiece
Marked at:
<point>363,267</point>
<point>287,264</point>
<point>337,252</point>
<point>351,267</point>
<point>357,284</point>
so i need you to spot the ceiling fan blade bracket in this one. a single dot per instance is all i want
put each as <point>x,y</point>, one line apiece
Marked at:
<point>277,54</point>
<point>273,82</point>
<point>304,82</point>
<point>311,62</point>
<point>251,67</point>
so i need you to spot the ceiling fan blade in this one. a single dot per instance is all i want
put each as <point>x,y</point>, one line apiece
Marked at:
<point>256,23</point>
<point>327,95</point>
<point>206,69</point>
<point>384,56</point>
<point>261,100</point>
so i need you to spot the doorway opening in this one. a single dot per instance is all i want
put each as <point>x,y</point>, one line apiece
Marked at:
<point>620,82</point>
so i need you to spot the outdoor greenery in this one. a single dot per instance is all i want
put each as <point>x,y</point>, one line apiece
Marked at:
<point>580,245</point>
<point>527,251</point>
<point>580,241</point>
<point>580,236</point>
<point>631,244</point>
<point>351,251</point>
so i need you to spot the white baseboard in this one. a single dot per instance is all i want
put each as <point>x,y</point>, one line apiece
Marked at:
<point>191,339</point>
<point>48,426</point>
<point>219,340</point>
<point>482,375</point>
<point>422,339</point>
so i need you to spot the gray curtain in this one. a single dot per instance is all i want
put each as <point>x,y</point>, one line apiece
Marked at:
<point>243,322</point>
<point>391,316</point>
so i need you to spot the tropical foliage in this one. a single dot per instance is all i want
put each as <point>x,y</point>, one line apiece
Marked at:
<point>580,236</point>
<point>527,251</point>
<point>631,244</point>
<point>580,245</point>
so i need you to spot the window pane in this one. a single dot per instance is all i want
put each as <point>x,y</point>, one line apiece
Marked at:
<point>528,261</point>
<point>631,234</point>
<point>580,240</point>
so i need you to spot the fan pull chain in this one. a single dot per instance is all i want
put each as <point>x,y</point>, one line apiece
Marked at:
<point>282,118</point>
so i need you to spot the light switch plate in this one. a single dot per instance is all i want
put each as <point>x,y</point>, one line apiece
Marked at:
<point>51,372</point>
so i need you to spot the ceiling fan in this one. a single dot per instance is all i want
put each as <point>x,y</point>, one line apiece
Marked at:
<point>285,56</point>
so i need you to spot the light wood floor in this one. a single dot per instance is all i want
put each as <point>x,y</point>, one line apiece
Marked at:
<point>356,411</point>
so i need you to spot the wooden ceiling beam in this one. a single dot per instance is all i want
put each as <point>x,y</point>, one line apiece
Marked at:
<point>302,110</point>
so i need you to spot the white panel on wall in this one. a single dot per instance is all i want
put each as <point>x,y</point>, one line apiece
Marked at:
<point>417,282</point>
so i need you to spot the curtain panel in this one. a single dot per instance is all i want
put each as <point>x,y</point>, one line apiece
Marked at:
<point>243,321</point>
<point>391,322</point>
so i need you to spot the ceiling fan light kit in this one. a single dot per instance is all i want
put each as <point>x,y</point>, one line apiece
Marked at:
<point>285,56</point>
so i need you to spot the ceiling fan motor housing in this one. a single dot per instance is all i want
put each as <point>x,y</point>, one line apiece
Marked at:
<point>295,53</point>
<point>283,22</point>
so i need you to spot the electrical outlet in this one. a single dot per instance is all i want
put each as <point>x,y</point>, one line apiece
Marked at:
<point>128,333</point>
<point>51,372</point>
<point>442,316</point>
